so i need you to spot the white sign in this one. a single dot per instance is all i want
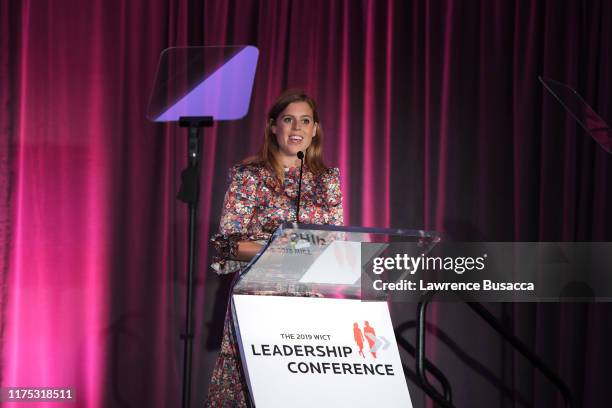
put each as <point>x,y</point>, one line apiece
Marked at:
<point>320,352</point>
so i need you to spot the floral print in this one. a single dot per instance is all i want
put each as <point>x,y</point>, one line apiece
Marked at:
<point>255,204</point>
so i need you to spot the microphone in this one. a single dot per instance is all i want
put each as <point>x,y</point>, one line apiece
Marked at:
<point>300,156</point>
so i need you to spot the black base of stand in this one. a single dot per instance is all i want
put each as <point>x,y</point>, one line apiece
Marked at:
<point>189,194</point>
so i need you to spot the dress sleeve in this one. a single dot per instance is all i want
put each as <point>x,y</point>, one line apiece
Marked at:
<point>238,209</point>
<point>334,197</point>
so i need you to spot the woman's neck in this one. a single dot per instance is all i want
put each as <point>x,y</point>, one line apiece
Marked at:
<point>288,161</point>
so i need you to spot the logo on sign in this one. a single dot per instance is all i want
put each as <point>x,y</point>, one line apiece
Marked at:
<point>368,334</point>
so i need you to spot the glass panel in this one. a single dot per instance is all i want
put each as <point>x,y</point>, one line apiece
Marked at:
<point>323,261</point>
<point>581,111</point>
<point>203,81</point>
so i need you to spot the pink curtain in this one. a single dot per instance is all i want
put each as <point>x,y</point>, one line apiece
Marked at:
<point>431,110</point>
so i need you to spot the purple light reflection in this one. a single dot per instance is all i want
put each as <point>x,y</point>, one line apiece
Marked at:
<point>224,95</point>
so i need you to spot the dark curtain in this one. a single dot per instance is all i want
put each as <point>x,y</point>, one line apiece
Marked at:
<point>431,109</point>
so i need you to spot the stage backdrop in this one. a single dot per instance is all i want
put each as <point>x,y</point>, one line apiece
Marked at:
<point>431,110</point>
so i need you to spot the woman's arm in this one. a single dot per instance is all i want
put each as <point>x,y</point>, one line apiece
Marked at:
<point>334,197</point>
<point>232,242</point>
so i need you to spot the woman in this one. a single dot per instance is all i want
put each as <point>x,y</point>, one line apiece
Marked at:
<point>262,195</point>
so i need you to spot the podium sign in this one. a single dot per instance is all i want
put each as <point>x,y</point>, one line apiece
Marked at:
<point>305,337</point>
<point>309,352</point>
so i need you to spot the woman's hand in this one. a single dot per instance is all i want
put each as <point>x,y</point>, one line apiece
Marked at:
<point>247,250</point>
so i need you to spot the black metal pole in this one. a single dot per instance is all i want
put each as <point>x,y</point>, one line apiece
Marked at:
<point>193,151</point>
<point>300,155</point>
<point>441,400</point>
<point>524,350</point>
<point>189,193</point>
<point>500,329</point>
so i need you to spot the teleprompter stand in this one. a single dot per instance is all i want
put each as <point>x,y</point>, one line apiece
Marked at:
<point>195,86</point>
<point>189,193</point>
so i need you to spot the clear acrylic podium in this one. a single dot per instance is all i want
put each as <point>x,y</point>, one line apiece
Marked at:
<point>305,336</point>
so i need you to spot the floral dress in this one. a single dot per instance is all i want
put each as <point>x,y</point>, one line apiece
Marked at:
<point>255,204</point>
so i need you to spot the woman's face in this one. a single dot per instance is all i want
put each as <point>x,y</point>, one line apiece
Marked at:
<point>294,129</point>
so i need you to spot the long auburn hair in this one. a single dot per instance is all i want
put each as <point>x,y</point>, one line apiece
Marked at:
<point>268,154</point>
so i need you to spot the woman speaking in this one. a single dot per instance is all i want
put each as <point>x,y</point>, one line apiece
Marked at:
<point>263,193</point>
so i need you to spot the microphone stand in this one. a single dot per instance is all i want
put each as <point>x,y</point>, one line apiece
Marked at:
<point>300,156</point>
